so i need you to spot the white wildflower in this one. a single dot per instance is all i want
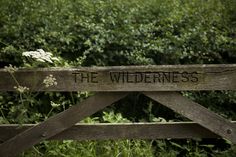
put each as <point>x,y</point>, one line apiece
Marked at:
<point>40,55</point>
<point>11,69</point>
<point>50,81</point>
<point>21,89</point>
<point>54,105</point>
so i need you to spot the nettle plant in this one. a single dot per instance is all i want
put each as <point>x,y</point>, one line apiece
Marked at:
<point>23,105</point>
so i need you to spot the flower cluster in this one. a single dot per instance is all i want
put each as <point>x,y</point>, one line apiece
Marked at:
<point>50,81</point>
<point>21,89</point>
<point>54,105</point>
<point>40,55</point>
<point>11,69</point>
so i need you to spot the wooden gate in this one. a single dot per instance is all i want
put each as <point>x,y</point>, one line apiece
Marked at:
<point>160,83</point>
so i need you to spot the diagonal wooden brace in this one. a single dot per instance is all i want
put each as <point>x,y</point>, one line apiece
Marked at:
<point>58,123</point>
<point>196,113</point>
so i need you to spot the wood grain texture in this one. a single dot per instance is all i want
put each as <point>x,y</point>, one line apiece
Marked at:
<point>104,131</point>
<point>127,78</point>
<point>196,113</point>
<point>58,123</point>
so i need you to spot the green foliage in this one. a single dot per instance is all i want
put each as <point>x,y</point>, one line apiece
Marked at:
<point>124,148</point>
<point>110,32</point>
<point>120,148</point>
<point>222,102</point>
<point>107,148</point>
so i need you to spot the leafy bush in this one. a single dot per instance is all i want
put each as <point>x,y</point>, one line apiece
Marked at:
<point>120,33</point>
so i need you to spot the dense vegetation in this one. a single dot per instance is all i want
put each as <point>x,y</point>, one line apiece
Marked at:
<point>113,32</point>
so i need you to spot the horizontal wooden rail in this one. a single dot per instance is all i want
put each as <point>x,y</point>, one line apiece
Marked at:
<point>126,78</point>
<point>102,131</point>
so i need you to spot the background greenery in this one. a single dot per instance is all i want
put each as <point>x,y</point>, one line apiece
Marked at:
<point>115,32</point>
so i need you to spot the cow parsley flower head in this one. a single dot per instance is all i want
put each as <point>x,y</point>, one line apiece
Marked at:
<point>54,105</point>
<point>40,55</point>
<point>11,69</point>
<point>21,89</point>
<point>50,81</point>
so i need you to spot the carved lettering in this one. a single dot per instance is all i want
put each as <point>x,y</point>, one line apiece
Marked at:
<point>85,77</point>
<point>139,77</point>
<point>153,77</point>
<point>115,77</point>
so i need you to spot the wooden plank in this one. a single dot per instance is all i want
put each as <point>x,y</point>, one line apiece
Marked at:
<point>58,123</point>
<point>104,131</point>
<point>127,78</point>
<point>196,113</point>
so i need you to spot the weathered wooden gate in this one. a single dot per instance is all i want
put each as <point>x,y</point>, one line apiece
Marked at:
<point>160,83</point>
